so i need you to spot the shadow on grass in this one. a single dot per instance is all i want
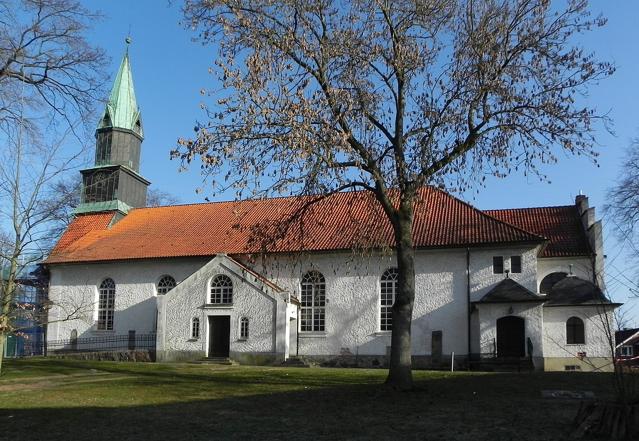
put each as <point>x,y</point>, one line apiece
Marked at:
<point>292,404</point>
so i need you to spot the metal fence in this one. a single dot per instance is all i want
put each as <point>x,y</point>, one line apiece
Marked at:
<point>102,343</point>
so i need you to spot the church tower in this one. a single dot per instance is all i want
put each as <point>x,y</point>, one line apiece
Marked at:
<point>114,182</point>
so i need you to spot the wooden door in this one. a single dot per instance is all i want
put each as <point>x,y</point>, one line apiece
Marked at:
<point>219,335</point>
<point>511,337</point>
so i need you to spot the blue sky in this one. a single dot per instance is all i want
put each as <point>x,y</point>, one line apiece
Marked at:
<point>169,70</point>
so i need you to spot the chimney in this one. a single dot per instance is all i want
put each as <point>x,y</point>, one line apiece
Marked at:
<point>586,213</point>
<point>593,231</point>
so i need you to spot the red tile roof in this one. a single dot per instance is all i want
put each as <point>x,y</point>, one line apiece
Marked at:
<point>83,225</point>
<point>561,225</point>
<point>341,221</point>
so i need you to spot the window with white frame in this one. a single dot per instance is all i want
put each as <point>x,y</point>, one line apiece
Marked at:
<point>166,284</point>
<point>626,351</point>
<point>313,302</point>
<point>195,328</point>
<point>106,305</point>
<point>221,290</point>
<point>388,290</point>
<point>244,328</point>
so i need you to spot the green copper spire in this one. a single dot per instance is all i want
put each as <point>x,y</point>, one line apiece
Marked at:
<point>122,109</point>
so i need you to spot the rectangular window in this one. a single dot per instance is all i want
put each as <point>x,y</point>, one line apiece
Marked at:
<point>515,264</point>
<point>498,264</point>
<point>572,367</point>
<point>626,351</point>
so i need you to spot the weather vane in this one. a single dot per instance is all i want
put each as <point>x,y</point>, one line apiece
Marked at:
<point>128,40</point>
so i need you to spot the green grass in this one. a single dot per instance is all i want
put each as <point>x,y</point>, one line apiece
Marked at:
<point>74,400</point>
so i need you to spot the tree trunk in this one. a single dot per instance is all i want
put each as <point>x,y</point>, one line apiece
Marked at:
<point>2,340</point>
<point>400,375</point>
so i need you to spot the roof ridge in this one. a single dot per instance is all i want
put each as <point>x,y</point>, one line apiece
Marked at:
<point>489,216</point>
<point>237,201</point>
<point>530,208</point>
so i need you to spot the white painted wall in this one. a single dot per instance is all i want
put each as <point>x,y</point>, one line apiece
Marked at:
<point>481,269</point>
<point>352,292</point>
<point>190,299</point>
<point>581,267</point>
<point>532,313</point>
<point>596,340</point>
<point>73,286</point>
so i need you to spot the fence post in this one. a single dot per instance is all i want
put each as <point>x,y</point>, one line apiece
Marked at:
<point>132,340</point>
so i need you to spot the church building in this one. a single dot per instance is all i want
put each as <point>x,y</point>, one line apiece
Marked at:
<point>264,281</point>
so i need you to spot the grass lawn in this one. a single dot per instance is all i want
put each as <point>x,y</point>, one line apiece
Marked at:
<point>72,400</point>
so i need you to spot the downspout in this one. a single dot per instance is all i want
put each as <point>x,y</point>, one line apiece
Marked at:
<point>297,332</point>
<point>468,299</point>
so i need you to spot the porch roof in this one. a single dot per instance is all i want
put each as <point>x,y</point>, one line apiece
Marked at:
<point>509,291</point>
<point>573,291</point>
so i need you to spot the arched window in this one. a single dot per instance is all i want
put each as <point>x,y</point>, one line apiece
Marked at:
<point>549,281</point>
<point>244,328</point>
<point>221,290</point>
<point>388,288</point>
<point>166,284</point>
<point>313,308</point>
<point>575,331</point>
<point>106,305</point>
<point>195,328</point>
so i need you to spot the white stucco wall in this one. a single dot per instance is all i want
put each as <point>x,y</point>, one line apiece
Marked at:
<point>596,339</point>
<point>250,299</point>
<point>352,292</point>
<point>488,314</point>
<point>581,267</point>
<point>76,286</point>
<point>481,269</point>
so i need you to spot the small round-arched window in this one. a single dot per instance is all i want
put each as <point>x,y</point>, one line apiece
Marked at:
<point>575,334</point>
<point>221,290</point>
<point>166,284</point>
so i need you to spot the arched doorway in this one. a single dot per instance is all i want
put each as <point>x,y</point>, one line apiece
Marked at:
<point>511,337</point>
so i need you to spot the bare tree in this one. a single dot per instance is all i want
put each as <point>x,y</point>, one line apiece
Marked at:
<point>623,203</point>
<point>29,204</point>
<point>388,96</point>
<point>156,197</point>
<point>47,68</point>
